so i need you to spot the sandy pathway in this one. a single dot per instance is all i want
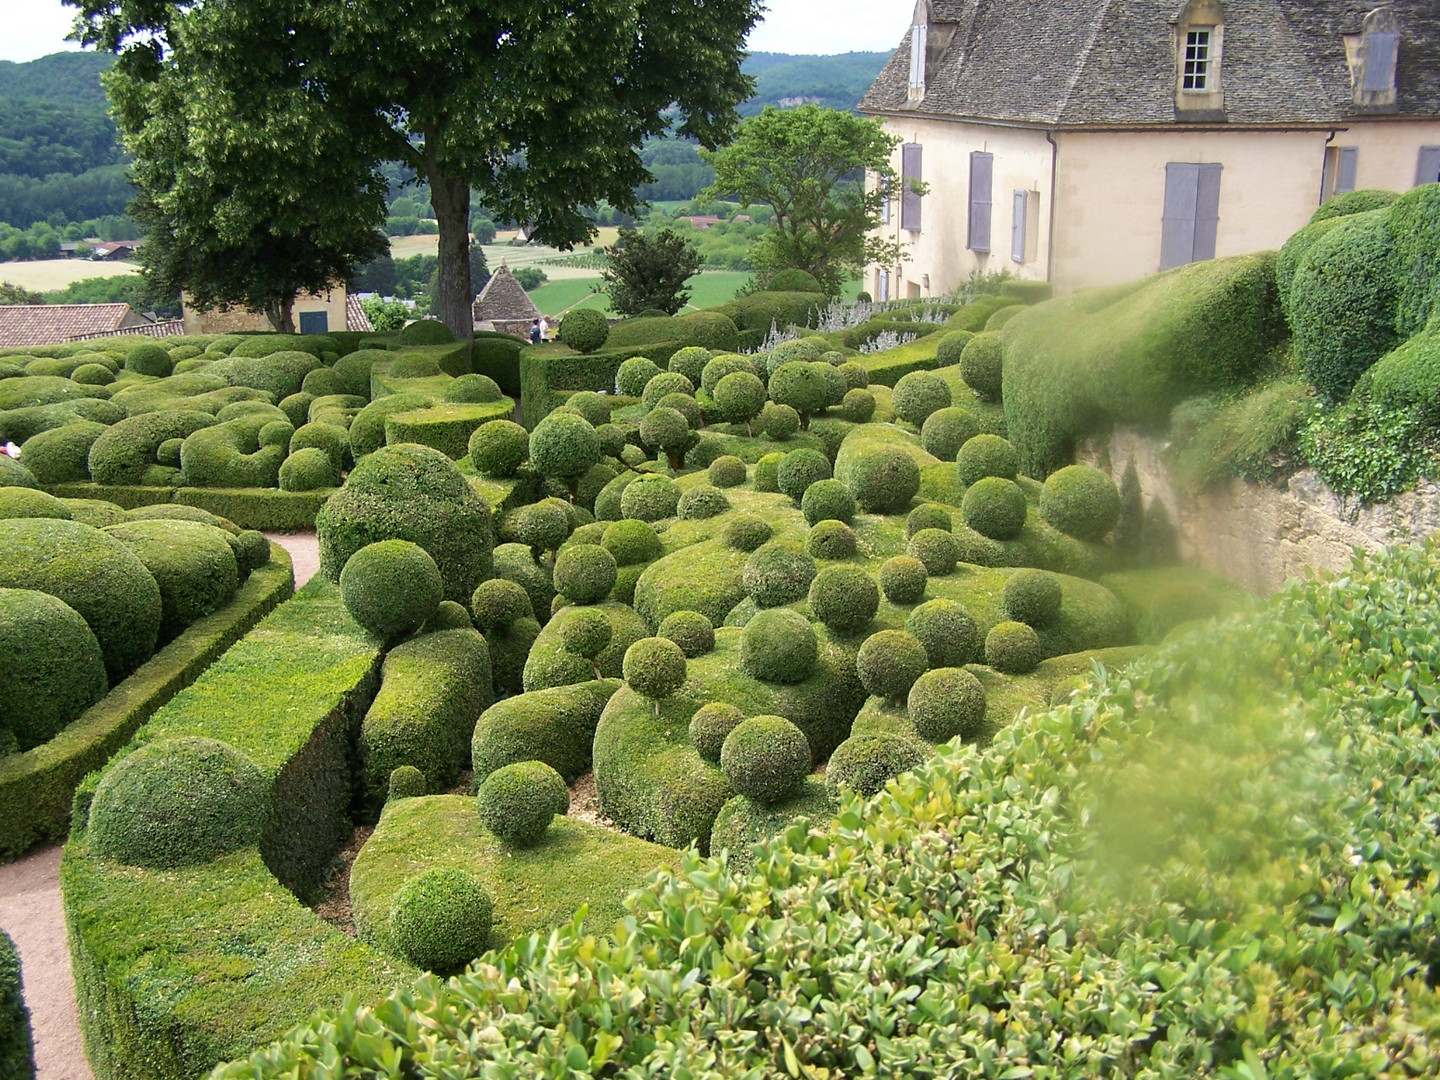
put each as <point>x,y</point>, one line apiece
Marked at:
<point>31,913</point>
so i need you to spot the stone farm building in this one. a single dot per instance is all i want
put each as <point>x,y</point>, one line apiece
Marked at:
<point>44,324</point>
<point>1095,141</point>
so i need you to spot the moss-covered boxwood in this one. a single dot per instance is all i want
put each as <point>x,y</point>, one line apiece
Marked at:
<point>765,758</point>
<point>441,919</point>
<point>564,446</point>
<point>517,802</point>
<point>884,479</point>
<point>919,394</point>
<point>928,516</point>
<point>830,540</point>
<point>193,563</point>
<point>711,725</point>
<point>631,542</point>
<point>585,631</point>
<point>1080,501</point>
<point>858,404</point>
<point>391,587</point>
<point>889,663</point>
<point>949,633</point>
<point>1012,648</point>
<point>308,469</point>
<point>727,471</point>
<point>946,430</point>
<point>945,703</point>
<point>650,498</point>
<point>1031,596</point>
<point>987,455</point>
<point>17,1057</point>
<point>123,452</point>
<point>994,508</point>
<point>903,579</point>
<point>844,598</point>
<point>700,502</point>
<point>982,365</point>
<point>655,668</point>
<point>801,386</point>
<point>584,573</point>
<point>936,549</point>
<point>61,455</point>
<point>746,532</point>
<point>779,646</point>
<point>827,500</point>
<point>798,470</point>
<point>53,669</point>
<point>690,630</point>
<point>777,573</point>
<point>866,763</point>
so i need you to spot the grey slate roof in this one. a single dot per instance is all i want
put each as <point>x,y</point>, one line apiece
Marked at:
<point>504,300</point>
<point>1086,62</point>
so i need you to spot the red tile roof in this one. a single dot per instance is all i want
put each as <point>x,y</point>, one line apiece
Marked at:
<point>48,324</point>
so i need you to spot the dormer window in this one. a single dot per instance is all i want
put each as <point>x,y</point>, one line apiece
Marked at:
<point>1196,74</point>
<point>1374,56</point>
<point>1199,41</point>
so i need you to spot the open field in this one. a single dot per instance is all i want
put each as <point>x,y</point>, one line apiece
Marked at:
<point>560,295</point>
<point>47,275</point>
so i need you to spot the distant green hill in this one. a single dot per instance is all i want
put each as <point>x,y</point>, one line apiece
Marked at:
<point>67,78</point>
<point>837,82</point>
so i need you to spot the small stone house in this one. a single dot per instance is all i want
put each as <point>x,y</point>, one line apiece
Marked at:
<point>1087,142</point>
<point>314,313</point>
<point>504,305</point>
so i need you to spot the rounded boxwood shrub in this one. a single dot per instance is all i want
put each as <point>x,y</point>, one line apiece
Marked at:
<point>391,587</point>
<point>650,498</point>
<point>448,616</point>
<point>726,471</point>
<point>746,532</point>
<point>406,782</point>
<point>662,384</point>
<point>331,438</point>
<point>194,564</point>
<point>799,469</point>
<point>937,549</point>
<point>928,516</point>
<point>631,541</point>
<point>987,455</point>
<point>178,802</point>
<point>498,603</point>
<point>584,330</point>
<point>1012,648</point>
<point>779,646</point>
<point>309,469</point>
<point>866,763</point>
<point>903,579</point>
<point>776,574</point>
<point>276,433</point>
<point>709,727</point>
<point>425,332</point>
<point>700,502</point>
<point>830,540</point>
<point>827,500</point>
<point>655,668</point>
<point>517,802</point>
<point>947,632</point>
<point>13,474</point>
<point>884,479</point>
<point>498,448</point>
<point>585,631</point>
<point>168,452</point>
<point>1080,501</point>
<point>889,663</point>
<point>92,375</point>
<point>355,367</point>
<point>857,406</point>
<point>947,430</point>
<point>722,365</point>
<point>982,365</point>
<point>440,920</point>
<point>740,398</point>
<point>21,502</point>
<point>947,702</point>
<point>919,394</point>
<point>296,408</point>
<point>779,421</point>
<point>61,455</point>
<point>149,360</point>
<point>951,347</point>
<point>415,493</point>
<point>1031,596</point>
<point>767,472</point>
<point>994,508</point>
<point>564,446</point>
<point>53,669</point>
<point>800,385</point>
<point>634,374</point>
<point>690,362</point>
<point>584,573</point>
<point>124,451</point>
<point>793,281</point>
<point>844,598</point>
<point>480,390</point>
<point>324,381</point>
<point>685,405</point>
<point>765,758</point>
<point>690,630</point>
<point>543,526</point>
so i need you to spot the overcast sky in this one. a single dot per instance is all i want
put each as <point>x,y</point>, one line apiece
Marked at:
<point>38,27</point>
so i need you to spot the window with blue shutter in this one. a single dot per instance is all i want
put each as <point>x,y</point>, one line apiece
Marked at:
<point>982,172</point>
<point>314,322</point>
<point>909,197</point>
<point>918,35</point>
<point>1191,221</point>
<point>1428,171</point>
<point>1345,174</point>
<point>1381,48</point>
<point>1019,226</point>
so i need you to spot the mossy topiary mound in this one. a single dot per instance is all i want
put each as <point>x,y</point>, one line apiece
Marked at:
<point>391,587</point>
<point>193,563</point>
<point>53,670</point>
<point>517,802</point>
<point>866,763</point>
<point>1081,501</point>
<point>440,920</point>
<point>765,758</point>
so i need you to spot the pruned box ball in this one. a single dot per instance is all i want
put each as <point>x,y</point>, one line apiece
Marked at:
<point>777,574</point>
<point>928,516</point>
<point>650,498</point>
<point>543,526</point>
<point>448,616</point>
<point>585,631</point>
<point>800,385</point>
<point>779,646</point>
<point>633,375</point>
<point>889,663</point>
<point>947,353</point>
<point>1081,501</point>
<point>498,448</point>
<point>691,362</point>
<point>903,579</point>
<point>690,630</point>
<point>406,782</point>
<point>765,758</point>
<point>722,365</point>
<point>987,455</point>
<point>727,471</point>
<point>22,502</point>
<point>830,540</point>
<point>441,919</point>
<point>778,421</point>
<point>949,634</point>
<point>308,469</point>
<point>740,397</point>
<point>866,763</point>
<point>767,472</point>
<point>994,508</point>
<point>194,564</point>
<point>585,573</point>
<point>53,669</point>
<point>884,479</point>
<point>584,329</point>
<point>709,727</point>
<point>844,598</point>
<point>919,394</point>
<point>391,588</point>
<point>701,502</point>
<point>498,603</point>
<point>685,405</point>
<point>1012,648</point>
<point>655,668</point>
<point>631,542</point>
<point>858,404</point>
<point>476,389</point>
<point>947,430</point>
<point>799,469</point>
<point>564,445</point>
<point>746,532</point>
<point>1031,596</point>
<point>936,549</point>
<point>856,377</point>
<point>517,802</point>
<point>664,383</point>
<point>827,500</point>
<point>946,703</point>
<point>982,365</point>
<point>664,428</point>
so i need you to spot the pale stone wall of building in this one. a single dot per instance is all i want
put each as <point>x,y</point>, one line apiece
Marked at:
<point>238,320</point>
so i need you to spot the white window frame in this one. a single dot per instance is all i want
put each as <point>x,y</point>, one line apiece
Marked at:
<point>1197,60</point>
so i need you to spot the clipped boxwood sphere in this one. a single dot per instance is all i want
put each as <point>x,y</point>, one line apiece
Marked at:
<point>650,498</point>
<point>440,920</point>
<point>654,667</point>
<point>498,448</point>
<point>779,646</point>
<point>585,631</point>
<point>726,471</point>
<point>866,763</point>
<point>982,365</point>
<point>584,573</point>
<point>987,455</point>
<point>947,632</point>
<point>449,616</point>
<point>767,472</point>
<point>919,394</point>
<point>1031,596</point>
<point>947,353</point>
<point>799,385</point>
<point>765,758</point>
<point>994,508</point>
<point>778,421</point>
<point>722,365</point>
<point>544,526</point>
<point>799,469</point>
<point>739,397</point>
<point>709,727</point>
<point>889,663</point>
<point>701,502</point>
<point>928,516</point>
<point>844,598</point>
<point>20,502</point>
<point>664,428</point>
<point>903,579</point>
<point>391,588</point>
<point>474,390</point>
<point>276,433</point>
<point>777,574</point>
<point>564,445</point>
<point>193,563</point>
<point>662,384</point>
<point>830,540</point>
<point>746,532</point>
<point>324,381</point>
<point>149,360</point>
<point>947,430</point>
<point>517,802</point>
<point>884,479</point>
<point>690,362</point>
<point>856,377</point>
<point>584,330</point>
<point>947,702</point>
<point>309,469</point>
<point>827,500</point>
<point>406,782</point>
<point>935,548</point>
<point>178,802</point>
<point>632,542</point>
<point>53,670</point>
<point>685,405</point>
<point>690,630</point>
<point>1012,648</point>
<point>858,405</point>
<point>92,375</point>
<point>592,406</point>
<point>1081,501</point>
<point>633,375</point>
<point>498,603</point>
<point>425,332</point>
<point>793,281</point>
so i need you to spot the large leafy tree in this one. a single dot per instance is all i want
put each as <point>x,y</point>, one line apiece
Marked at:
<point>646,272</point>
<point>809,164</point>
<point>539,105</point>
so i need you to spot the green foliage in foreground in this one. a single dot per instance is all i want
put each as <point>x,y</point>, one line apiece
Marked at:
<point>1223,865</point>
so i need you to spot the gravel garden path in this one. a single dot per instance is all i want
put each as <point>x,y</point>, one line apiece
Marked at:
<point>31,913</point>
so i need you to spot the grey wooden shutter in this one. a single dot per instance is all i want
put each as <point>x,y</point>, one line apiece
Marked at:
<point>982,171</point>
<point>1018,226</point>
<point>909,198</point>
<point>1428,171</point>
<point>1207,212</point>
<point>918,35</point>
<point>1177,231</point>
<point>1380,49</point>
<point>1345,175</point>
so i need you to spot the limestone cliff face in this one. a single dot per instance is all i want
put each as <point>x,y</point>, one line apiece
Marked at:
<point>1259,536</point>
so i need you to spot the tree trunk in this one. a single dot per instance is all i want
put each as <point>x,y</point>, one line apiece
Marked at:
<point>282,316</point>
<point>451,198</point>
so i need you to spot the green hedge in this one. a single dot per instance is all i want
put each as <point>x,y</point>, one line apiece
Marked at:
<point>546,376</point>
<point>445,427</point>
<point>36,787</point>
<point>266,509</point>
<point>17,1057</point>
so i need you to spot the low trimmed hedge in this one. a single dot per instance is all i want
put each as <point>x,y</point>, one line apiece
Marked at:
<point>17,1058</point>
<point>269,510</point>
<point>556,726</point>
<point>547,379</point>
<point>446,427</point>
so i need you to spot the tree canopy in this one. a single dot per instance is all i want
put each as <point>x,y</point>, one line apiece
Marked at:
<point>645,272</point>
<point>539,105</point>
<point>809,164</point>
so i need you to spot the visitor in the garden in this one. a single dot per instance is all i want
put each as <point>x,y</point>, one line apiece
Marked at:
<point>535,332</point>
<point>544,328</point>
